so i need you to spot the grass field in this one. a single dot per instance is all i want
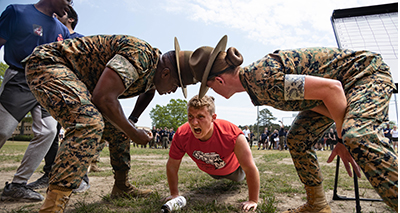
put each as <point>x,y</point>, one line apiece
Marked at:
<point>280,185</point>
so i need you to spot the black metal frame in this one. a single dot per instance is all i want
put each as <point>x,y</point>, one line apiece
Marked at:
<point>356,192</point>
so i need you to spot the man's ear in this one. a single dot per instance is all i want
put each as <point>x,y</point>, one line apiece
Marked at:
<point>220,80</point>
<point>214,116</point>
<point>71,20</point>
<point>165,72</point>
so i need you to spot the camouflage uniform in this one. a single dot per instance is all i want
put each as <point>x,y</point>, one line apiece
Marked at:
<point>277,80</point>
<point>63,75</point>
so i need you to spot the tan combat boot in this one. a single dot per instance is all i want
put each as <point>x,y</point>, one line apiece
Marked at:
<point>316,201</point>
<point>122,187</point>
<point>56,201</point>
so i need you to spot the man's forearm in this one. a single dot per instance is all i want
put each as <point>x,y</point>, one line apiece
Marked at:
<point>253,183</point>
<point>172,175</point>
<point>173,182</point>
<point>141,104</point>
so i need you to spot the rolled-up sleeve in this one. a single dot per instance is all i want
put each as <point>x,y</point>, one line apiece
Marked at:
<point>294,87</point>
<point>124,68</point>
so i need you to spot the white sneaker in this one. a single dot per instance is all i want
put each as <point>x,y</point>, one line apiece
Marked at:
<point>82,188</point>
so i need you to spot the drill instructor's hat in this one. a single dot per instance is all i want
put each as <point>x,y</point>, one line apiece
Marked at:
<point>221,46</point>
<point>185,71</point>
<point>195,66</point>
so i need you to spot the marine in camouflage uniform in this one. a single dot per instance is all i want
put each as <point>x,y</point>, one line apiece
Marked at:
<point>63,75</point>
<point>278,79</point>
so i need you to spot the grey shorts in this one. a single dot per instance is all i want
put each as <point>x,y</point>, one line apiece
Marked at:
<point>237,175</point>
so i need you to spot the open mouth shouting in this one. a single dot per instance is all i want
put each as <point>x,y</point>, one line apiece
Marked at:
<point>197,131</point>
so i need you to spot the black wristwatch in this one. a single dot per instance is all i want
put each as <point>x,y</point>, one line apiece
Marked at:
<point>134,119</point>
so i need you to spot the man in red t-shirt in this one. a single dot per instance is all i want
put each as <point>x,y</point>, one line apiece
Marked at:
<point>218,147</point>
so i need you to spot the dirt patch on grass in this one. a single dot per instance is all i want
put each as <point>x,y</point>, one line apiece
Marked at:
<point>102,186</point>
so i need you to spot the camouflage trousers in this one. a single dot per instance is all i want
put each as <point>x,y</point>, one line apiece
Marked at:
<point>68,100</point>
<point>366,117</point>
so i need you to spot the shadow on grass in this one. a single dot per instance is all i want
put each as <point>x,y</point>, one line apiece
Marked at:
<point>219,187</point>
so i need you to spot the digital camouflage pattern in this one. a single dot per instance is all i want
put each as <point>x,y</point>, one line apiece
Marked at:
<point>294,87</point>
<point>63,75</point>
<point>368,86</point>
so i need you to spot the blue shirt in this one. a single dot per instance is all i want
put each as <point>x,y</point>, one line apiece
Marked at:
<point>281,132</point>
<point>24,27</point>
<point>76,35</point>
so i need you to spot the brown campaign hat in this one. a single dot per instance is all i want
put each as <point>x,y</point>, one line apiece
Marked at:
<point>195,66</point>
<point>221,46</point>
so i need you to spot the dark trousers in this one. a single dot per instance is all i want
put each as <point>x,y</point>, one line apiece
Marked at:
<point>51,154</point>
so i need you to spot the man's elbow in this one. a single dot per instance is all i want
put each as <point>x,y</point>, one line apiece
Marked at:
<point>102,103</point>
<point>336,86</point>
<point>329,91</point>
<point>96,100</point>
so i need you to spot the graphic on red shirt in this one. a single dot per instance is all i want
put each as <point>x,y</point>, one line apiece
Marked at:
<point>210,158</point>
<point>38,30</point>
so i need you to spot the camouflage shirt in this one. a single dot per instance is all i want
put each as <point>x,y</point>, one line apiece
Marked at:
<point>277,80</point>
<point>133,59</point>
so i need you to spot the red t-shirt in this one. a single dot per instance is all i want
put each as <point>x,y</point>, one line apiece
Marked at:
<point>214,156</point>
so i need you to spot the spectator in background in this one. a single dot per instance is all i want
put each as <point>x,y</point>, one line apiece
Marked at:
<point>70,20</point>
<point>319,145</point>
<point>273,139</point>
<point>164,138</point>
<point>251,137</point>
<point>263,140</point>
<point>325,136</point>
<point>286,146</point>
<point>395,137</point>
<point>22,28</point>
<point>282,136</point>
<point>159,143</point>
<point>332,138</point>
<point>246,132</point>
<point>153,142</point>
<point>171,134</point>
<point>387,133</point>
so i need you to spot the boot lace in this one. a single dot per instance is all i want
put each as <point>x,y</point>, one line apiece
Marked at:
<point>64,200</point>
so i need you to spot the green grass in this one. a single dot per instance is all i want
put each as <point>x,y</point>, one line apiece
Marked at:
<point>277,177</point>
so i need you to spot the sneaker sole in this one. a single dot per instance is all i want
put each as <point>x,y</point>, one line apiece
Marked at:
<point>81,191</point>
<point>5,198</point>
<point>42,186</point>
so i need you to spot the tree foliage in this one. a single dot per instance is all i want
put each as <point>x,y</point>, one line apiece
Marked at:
<point>173,115</point>
<point>3,68</point>
<point>266,117</point>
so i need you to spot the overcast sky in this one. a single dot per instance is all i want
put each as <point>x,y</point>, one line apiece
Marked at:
<point>255,28</point>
